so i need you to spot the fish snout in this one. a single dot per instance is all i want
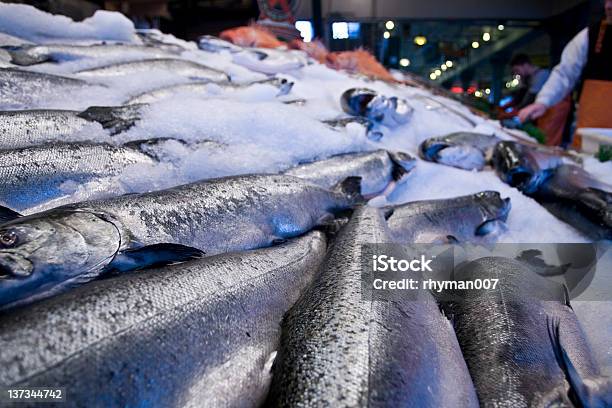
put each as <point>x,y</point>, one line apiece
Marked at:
<point>495,212</point>
<point>13,265</point>
<point>430,148</point>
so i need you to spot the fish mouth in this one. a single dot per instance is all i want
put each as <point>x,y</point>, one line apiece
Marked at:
<point>496,211</point>
<point>518,177</point>
<point>13,265</point>
<point>403,164</point>
<point>430,149</point>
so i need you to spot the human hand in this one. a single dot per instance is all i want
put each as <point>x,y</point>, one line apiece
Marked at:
<point>533,111</point>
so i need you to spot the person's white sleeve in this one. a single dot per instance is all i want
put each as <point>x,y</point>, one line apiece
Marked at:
<point>566,74</point>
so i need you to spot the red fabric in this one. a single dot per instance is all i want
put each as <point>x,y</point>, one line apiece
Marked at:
<point>251,36</point>
<point>553,121</point>
<point>359,61</point>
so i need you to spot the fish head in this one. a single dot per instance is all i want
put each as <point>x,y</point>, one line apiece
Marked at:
<point>523,167</point>
<point>355,101</point>
<point>493,211</point>
<point>42,253</point>
<point>478,218</point>
<point>455,153</point>
<point>284,86</point>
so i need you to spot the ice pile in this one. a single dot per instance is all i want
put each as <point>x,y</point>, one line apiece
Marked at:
<point>31,24</point>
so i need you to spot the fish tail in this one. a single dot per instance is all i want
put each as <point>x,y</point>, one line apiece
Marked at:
<point>115,119</point>
<point>591,390</point>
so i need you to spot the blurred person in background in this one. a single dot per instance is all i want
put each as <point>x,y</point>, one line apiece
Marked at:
<point>588,56</point>
<point>531,75</point>
<point>553,121</point>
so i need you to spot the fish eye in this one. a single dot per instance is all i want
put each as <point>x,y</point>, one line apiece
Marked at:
<point>8,239</point>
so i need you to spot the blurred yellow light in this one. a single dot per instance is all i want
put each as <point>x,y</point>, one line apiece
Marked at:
<point>486,36</point>
<point>478,94</point>
<point>443,67</point>
<point>404,62</point>
<point>432,76</point>
<point>488,91</point>
<point>420,40</point>
<point>449,63</point>
<point>390,25</point>
<point>475,44</point>
<point>438,72</point>
<point>387,34</point>
<point>501,27</point>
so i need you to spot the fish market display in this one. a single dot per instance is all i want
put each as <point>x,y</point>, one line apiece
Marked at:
<point>465,150</point>
<point>566,190</point>
<point>389,111</point>
<point>32,175</point>
<point>339,349</point>
<point>176,66</point>
<point>36,54</point>
<point>470,218</point>
<point>24,128</point>
<point>49,252</point>
<point>522,342</point>
<point>379,170</point>
<point>283,86</point>
<point>165,208</point>
<point>576,197</point>
<point>524,167</point>
<point>163,335</point>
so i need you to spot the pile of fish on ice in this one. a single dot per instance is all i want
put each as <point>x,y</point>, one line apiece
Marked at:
<point>241,183</point>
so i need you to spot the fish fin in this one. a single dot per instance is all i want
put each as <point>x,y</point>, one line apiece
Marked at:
<point>6,215</point>
<point>331,224</point>
<point>144,145</point>
<point>350,187</point>
<point>153,255</point>
<point>533,258</point>
<point>586,391</point>
<point>403,164</point>
<point>115,119</point>
<point>387,212</point>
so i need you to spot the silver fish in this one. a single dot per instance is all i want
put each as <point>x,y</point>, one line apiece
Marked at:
<point>25,128</point>
<point>214,323</point>
<point>389,111</point>
<point>379,170</point>
<point>215,44</point>
<point>36,54</point>
<point>522,342</point>
<point>19,88</point>
<point>524,167</point>
<point>340,349</point>
<point>576,197</point>
<point>469,218</point>
<point>201,87</point>
<point>176,66</point>
<point>465,150</point>
<point>32,175</point>
<point>156,39</point>
<point>46,253</point>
